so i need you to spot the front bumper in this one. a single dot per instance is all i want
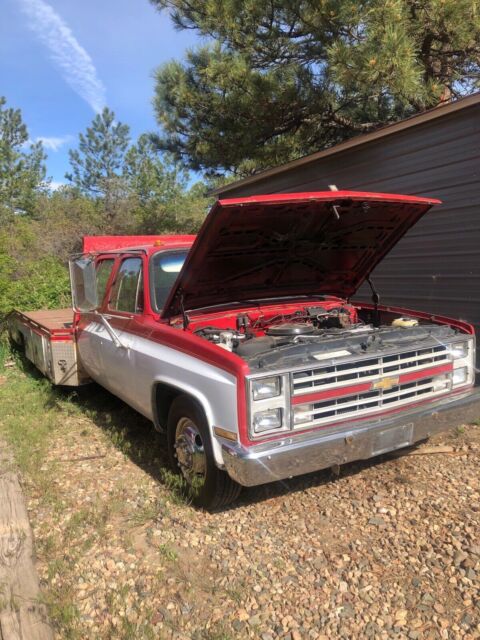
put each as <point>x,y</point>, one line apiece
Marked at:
<point>304,453</point>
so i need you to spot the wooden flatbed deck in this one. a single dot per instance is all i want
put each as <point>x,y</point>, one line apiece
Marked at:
<point>51,319</point>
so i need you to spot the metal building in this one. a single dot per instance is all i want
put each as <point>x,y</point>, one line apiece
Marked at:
<point>436,266</point>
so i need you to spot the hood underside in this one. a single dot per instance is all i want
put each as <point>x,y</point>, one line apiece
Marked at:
<point>295,244</point>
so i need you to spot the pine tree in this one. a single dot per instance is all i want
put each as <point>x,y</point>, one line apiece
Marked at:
<point>159,193</point>
<point>98,162</point>
<point>22,168</point>
<point>282,78</point>
<point>149,176</point>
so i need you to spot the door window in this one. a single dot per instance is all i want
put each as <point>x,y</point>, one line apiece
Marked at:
<point>103,271</point>
<point>127,291</point>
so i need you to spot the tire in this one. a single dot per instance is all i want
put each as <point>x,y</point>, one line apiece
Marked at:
<point>191,454</point>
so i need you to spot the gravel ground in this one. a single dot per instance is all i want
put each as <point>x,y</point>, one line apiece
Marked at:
<point>389,549</point>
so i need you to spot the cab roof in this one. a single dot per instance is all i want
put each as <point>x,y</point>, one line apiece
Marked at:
<point>96,244</point>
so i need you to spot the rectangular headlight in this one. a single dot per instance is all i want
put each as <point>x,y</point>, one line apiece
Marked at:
<point>266,388</point>
<point>267,420</point>
<point>459,376</point>
<point>459,350</point>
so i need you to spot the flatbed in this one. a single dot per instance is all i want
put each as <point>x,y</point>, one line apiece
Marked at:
<point>54,321</point>
<point>48,338</point>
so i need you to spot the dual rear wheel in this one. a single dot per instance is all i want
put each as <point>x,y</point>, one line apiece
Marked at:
<point>191,455</point>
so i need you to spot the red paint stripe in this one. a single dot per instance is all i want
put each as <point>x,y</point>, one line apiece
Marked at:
<point>426,373</point>
<point>332,393</point>
<point>339,392</point>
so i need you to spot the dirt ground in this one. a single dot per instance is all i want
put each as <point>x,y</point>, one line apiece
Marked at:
<point>388,549</point>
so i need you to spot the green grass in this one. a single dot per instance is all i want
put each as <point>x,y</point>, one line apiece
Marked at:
<point>177,486</point>
<point>168,553</point>
<point>146,513</point>
<point>217,633</point>
<point>4,353</point>
<point>63,612</point>
<point>23,399</point>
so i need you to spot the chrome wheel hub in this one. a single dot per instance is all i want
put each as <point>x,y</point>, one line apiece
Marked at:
<point>190,451</point>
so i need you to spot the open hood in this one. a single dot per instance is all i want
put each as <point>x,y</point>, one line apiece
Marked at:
<point>291,244</point>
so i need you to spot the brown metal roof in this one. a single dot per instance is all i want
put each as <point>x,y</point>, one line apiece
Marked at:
<point>417,119</point>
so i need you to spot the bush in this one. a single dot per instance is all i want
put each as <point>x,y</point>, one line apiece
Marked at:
<point>44,284</point>
<point>29,278</point>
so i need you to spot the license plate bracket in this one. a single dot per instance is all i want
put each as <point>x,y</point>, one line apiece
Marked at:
<point>392,438</point>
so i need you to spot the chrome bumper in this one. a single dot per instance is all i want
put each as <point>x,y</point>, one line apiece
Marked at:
<point>304,453</point>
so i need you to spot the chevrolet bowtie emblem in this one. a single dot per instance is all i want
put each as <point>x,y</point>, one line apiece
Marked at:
<point>385,384</point>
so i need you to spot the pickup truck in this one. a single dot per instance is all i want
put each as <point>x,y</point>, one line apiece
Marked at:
<point>243,344</point>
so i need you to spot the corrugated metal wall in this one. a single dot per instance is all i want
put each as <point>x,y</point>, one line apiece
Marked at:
<point>436,267</point>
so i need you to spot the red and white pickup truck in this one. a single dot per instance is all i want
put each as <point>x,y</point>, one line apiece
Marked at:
<point>244,346</point>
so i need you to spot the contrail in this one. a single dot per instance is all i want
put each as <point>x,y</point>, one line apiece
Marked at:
<point>54,143</point>
<point>75,64</point>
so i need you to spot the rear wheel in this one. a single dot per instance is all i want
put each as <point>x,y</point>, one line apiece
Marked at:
<point>191,454</point>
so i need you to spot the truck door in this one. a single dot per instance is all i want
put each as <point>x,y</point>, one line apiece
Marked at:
<point>90,330</point>
<point>123,303</point>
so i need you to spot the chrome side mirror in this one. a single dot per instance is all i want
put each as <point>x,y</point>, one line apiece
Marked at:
<point>83,281</point>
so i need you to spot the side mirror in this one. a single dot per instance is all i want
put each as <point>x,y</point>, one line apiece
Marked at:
<point>83,280</point>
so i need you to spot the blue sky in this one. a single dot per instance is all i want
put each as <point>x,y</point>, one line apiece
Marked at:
<point>60,60</point>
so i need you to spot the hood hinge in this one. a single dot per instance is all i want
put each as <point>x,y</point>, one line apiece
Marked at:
<point>186,319</point>
<point>375,300</point>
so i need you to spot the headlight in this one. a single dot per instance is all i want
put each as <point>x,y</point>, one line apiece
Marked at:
<point>266,388</point>
<point>267,420</point>
<point>459,350</point>
<point>459,375</point>
<point>463,357</point>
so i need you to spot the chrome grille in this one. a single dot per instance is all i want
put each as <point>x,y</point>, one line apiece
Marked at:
<point>342,374</point>
<point>367,403</point>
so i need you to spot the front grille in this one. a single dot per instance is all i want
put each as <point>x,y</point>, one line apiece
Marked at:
<point>368,402</point>
<point>343,374</point>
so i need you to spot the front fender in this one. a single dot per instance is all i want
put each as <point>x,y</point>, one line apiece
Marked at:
<point>216,406</point>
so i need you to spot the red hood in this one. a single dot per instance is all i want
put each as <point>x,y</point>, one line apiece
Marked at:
<point>291,244</point>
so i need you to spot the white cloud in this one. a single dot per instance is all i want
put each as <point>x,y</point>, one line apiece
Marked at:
<point>52,143</point>
<point>54,185</point>
<point>75,64</point>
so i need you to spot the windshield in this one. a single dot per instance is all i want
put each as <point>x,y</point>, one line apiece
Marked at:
<point>165,267</point>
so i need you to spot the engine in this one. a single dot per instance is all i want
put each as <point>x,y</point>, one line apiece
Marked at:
<point>251,338</point>
<point>314,333</point>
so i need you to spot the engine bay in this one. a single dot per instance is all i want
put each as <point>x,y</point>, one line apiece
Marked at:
<point>269,339</point>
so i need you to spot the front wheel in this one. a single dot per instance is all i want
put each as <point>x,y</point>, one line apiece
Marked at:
<point>191,454</point>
